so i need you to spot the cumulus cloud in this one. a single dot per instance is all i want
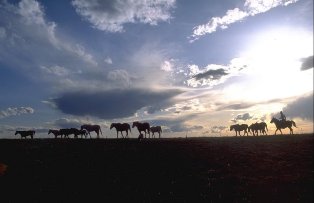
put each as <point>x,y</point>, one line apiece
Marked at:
<point>15,111</point>
<point>112,15</point>
<point>307,63</point>
<point>300,108</point>
<point>166,66</point>
<point>217,129</point>
<point>250,8</point>
<point>115,103</point>
<point>242,117</point>
<point>213,74</point>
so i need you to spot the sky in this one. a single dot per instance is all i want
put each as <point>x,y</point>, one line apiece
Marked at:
<point>192,67</point>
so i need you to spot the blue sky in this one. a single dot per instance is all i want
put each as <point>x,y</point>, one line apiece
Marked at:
<point>192,67</point>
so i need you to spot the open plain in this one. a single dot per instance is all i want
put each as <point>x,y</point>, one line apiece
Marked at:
<point>212,169</point>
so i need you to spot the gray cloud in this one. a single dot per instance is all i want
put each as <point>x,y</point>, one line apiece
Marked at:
<point>15,111</point>
<point>301,108</point>
<point>242,117</point>
<point>211,74</point>
<point>237,106</point>
<point>307,63</point>
<point>117,103</point>
<point>112,15</point>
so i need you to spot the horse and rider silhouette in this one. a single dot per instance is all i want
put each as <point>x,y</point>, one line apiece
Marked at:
<point>283,123</point>
<point>280,124</point>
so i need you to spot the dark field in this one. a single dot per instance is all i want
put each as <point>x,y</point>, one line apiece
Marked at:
<point>230,169</point>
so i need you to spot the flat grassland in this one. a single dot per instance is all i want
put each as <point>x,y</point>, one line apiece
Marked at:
<point>224,169</point>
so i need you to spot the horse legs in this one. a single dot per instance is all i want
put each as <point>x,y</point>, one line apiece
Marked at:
<point>291,131</point>
<point>159,134</point>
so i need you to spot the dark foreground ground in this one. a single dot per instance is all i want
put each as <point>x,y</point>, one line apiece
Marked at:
<point>231,169</point>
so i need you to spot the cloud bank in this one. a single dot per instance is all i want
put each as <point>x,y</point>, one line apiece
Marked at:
<point>300,108</point>
<point>112,15</point>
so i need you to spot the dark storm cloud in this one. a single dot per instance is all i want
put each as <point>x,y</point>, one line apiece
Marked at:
<point>307,63</point>
<point>118,103</point>
<point>301,108</point>
<point>211,74</point>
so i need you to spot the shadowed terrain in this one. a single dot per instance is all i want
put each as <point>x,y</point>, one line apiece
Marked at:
<point>226,169</point>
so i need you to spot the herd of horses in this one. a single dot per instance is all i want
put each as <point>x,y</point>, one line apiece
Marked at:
<point>85,130</point>
<point>145,127</point>
<point>261,128</point>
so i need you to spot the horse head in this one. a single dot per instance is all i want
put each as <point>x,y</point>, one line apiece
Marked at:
<point>112,125</point>
<point>50,131</point>
<point>231,127</point>
<point>16,132</point>
<point>273,120</point>
<point>135,123</point>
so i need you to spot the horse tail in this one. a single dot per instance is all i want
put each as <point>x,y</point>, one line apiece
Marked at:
<point>100,130</point>
<point>129,128</point>
<point>266,127</point>
<point>160,130</point>
<point>293,123</point>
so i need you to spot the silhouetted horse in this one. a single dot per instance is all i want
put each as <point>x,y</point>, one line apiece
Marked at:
<point>56,133</point>
<point>77,132</point>
<point>255,127</point>
<point>283,124</point>
<point>238,128</point>
<point>91,128</point>
<point>66,132</point>
<point>121,127</point>
<point>25,133</point>
<point>155,129</point>
<point>142,127</point>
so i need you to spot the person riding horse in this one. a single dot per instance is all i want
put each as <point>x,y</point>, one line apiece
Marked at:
<point>282,116</point>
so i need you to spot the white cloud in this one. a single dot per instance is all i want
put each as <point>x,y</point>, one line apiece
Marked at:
<point>108,60</point>
<point>166,66</point>
<point>112,15</point>
<point>15,111</point>
<point>55,70</point>
<point>251,8</point>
